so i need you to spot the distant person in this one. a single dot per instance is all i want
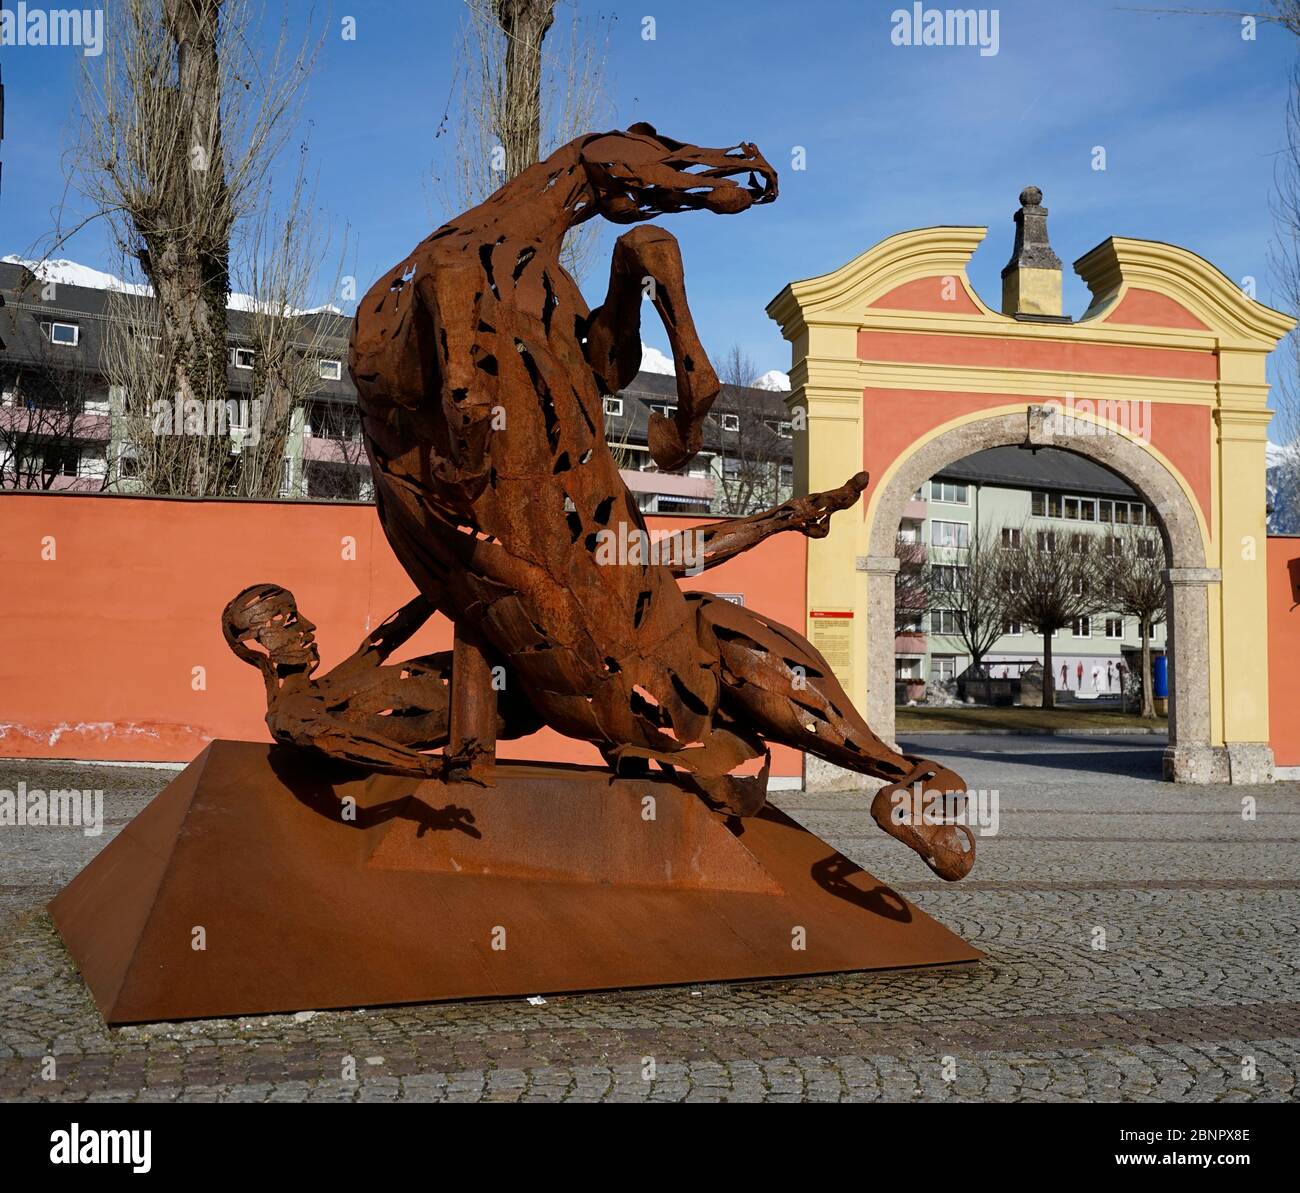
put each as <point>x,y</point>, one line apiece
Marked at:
<point>1110,676</point>
<point>1096,679</point>
<point>1065,677</point>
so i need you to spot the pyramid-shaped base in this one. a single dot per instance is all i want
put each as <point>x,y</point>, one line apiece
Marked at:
<point>261,880</point>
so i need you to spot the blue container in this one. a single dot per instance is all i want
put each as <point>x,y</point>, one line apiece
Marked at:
<point>1160,677</point>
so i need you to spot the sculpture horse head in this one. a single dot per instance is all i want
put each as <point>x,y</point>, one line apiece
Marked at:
<point>640,174</point>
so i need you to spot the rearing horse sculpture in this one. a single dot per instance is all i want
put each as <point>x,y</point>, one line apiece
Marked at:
<point>481,373</point>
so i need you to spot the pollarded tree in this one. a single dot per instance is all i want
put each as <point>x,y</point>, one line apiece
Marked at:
<point>1132,571</point>
<point>1052,580</point>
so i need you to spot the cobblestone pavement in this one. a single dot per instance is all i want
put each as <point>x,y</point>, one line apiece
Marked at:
<point>1196,996</point>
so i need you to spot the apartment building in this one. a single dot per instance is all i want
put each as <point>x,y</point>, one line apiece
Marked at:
<point>63,424</point>
<point>1004,493</point>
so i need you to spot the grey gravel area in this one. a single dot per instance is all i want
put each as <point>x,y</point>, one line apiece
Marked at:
<point>1195,996</point>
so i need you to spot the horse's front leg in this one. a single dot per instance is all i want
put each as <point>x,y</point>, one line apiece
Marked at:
<point>648,261</point>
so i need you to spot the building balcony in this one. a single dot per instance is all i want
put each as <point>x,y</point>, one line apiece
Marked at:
<point>916,510</point>
<point>914,643</point>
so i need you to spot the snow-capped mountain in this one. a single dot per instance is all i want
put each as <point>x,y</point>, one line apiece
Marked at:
<point>774,379</point>
<point>1282,484</point>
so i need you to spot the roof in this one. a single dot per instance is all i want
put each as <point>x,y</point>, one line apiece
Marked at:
<point>1053,468</point>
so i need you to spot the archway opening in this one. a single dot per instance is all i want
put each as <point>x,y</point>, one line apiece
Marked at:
<point>992,486</point>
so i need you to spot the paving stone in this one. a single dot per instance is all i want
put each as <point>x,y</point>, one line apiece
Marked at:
<point>1201,912</point>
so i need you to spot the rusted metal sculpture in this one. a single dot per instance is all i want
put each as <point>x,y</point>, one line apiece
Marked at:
<point>481,373</point>
<point>365,711</point>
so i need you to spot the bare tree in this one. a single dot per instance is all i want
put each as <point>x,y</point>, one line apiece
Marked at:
<point>1051,580</point>
<point>280,261</point>
<point>521,94</point>
<point>182,117</point>
<point>911,584</point>
<point>1131,572</point>
<point>972,582</point>
<point>750,452</point>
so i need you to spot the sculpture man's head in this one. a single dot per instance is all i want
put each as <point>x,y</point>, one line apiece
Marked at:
<point>266,616</point>
<point>640,174</point>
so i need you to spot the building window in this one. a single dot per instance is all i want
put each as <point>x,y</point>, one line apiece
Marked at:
<point>782,427</point>
<point>128,461</point>
<point>950,493</point>
<point>1010,537</point>
<point>1079,544</point>
<point>1146,548</point>
<point>950,534</point>
<point>919,495</point>
<point>1114,627</point>
<point>943,667</point>
<point>1105,511</point>
<point>1047,540</point>
<point>1012,629</point>
<point>241,358</point>
<point>661,408</point>
<point>731,422</point>
<point>945,621</point>
<point>948,577</point>
<point>614,407</point>
<point>1083,627</point>
<point>907,667</point>
<point>331,370</point>
<point>1081,586</point>
<point>65,335</point>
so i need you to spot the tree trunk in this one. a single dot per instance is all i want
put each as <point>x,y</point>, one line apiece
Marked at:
<point>1148,700</point>
<point>524,23</point>
<point>186,250</point>
<point>1049,685</point>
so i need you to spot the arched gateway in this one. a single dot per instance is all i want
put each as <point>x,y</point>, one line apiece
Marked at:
<point>901,370</point>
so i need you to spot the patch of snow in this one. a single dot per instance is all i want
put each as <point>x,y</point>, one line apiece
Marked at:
<point>654,361</point>
<point>71,273</point>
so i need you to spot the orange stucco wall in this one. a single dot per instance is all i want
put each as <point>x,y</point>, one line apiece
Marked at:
<point>1284,648</point>
<point>101,640</point>
<point>894,419</point>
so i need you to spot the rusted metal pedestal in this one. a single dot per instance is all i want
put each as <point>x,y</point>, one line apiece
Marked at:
<point>258,881</point>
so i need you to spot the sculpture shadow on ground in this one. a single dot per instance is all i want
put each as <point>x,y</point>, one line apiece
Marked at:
<point>833,875</point>
<point>315,787</point>
<point>1122,757</point>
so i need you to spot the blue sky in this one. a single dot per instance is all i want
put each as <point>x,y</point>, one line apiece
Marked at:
<point>1191,117</point>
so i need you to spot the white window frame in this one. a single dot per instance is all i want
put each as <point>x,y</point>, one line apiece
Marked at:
<point>935,523</point>
<point>1010,537</point>
<point>614,407</point>
<point>50,327</point>
<point>1084,621</point>
<point>1115,621</point>
<point>731,422</point>
<point>942,485</point>
<point>1008,632</point>
<point>237,353</point>
<point>955,632</point>
<point>335,368</point>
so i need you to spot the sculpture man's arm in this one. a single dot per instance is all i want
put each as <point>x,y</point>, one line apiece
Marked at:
<point>717,542</point>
